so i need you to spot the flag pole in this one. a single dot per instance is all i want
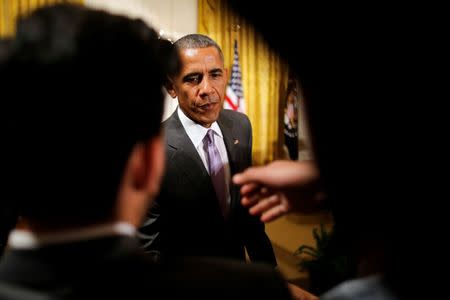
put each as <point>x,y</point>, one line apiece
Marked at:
<point>234,93</point>
<point>235,27</point>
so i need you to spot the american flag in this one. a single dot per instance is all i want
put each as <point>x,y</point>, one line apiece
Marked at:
<point>234,98</point>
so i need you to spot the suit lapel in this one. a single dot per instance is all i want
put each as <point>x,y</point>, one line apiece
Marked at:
<point>188,161</point>
<point>231,142</point>
<point>185,156</point>
<point>230,139</point>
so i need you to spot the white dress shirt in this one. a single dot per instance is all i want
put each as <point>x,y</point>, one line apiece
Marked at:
<point>24,239</point>
<point>196,133</point>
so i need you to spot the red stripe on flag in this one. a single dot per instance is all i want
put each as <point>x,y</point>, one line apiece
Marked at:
<point>233,106</point>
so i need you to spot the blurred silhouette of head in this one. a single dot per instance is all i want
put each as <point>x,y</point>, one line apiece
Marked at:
<point>84,88</point>
<point>356,78</point>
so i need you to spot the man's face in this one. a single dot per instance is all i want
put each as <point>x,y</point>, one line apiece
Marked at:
<point>200,85</point>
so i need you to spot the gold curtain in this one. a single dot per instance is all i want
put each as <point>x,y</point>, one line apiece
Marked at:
<point>264,74</point>
<point>11,9</point>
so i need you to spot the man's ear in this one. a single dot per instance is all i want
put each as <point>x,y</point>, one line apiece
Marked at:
<point>147,165</point>
<point>170,88</point>
<point>141,181</point>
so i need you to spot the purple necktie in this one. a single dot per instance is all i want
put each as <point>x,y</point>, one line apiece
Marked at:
<point>216,170</point>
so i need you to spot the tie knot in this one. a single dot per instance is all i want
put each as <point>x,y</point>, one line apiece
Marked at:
<point>209,137</point>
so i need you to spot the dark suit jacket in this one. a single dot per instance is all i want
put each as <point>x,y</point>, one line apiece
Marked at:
<point>116,268</point>
<point>185,218</point>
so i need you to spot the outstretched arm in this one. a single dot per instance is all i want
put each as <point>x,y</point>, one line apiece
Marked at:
<point>280,187</point>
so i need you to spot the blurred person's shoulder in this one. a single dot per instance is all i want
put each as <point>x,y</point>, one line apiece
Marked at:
<point>10,291</point>
<point>224,278</point>
<point>366,288</point>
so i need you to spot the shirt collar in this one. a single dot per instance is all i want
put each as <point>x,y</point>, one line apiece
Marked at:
<point>196,132</point>
<point>24,239</point>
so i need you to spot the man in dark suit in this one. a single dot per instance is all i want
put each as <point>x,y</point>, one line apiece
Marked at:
<point>85,161</point>
<point>198,212</point>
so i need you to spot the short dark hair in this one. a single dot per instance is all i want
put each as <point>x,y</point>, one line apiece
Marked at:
<point>193,41</point>
<point>90,89</point>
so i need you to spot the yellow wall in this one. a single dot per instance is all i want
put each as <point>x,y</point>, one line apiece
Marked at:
<point>264,74</point>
